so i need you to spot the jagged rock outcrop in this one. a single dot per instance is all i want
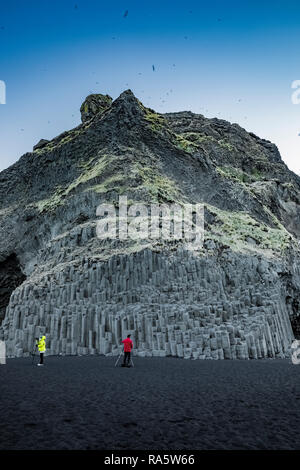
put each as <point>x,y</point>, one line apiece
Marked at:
<point>236,297</point>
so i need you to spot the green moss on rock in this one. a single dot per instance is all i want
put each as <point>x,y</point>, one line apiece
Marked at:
<point>119,183</point>
<point>186,145</point>
<point>236,174</point>
<point>244,233</point>
<point>157,122</point>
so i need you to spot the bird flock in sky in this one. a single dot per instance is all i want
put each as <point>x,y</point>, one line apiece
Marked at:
<point>125,15</point>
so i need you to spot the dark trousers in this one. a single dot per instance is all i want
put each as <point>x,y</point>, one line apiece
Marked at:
<point>126,357</point>
<point>41,358</point>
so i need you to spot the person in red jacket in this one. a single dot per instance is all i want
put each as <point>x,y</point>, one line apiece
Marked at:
<point>128,345</point>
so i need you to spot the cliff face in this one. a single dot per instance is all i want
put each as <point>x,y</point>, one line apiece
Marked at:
<point>235,297</point>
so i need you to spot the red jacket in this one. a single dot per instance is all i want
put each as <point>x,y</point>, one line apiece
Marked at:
<point>128,344</point>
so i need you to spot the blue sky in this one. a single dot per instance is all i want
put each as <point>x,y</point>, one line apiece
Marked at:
<point>232,60</point>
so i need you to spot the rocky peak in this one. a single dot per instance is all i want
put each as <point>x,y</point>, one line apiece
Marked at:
<point>94,104</point>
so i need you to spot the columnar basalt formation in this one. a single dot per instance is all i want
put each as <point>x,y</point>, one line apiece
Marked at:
<point>172,304</point>
<point>234,298</point>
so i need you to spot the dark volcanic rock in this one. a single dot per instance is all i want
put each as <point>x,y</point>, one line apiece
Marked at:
<point>93,105</point>
<point>11,276</point>
<point>42,143</point>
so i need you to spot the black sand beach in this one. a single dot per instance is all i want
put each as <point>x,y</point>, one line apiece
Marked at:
<point>161,403</point>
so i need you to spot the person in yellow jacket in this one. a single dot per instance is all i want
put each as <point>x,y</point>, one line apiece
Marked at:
<point>41,344</point>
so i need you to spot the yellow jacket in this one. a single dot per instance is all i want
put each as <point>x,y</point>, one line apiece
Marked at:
<point>42,344</point>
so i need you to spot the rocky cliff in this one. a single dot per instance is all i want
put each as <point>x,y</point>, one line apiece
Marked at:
<point>236,297</point>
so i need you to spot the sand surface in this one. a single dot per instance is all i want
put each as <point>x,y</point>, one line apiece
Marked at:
<point>161,403</point>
